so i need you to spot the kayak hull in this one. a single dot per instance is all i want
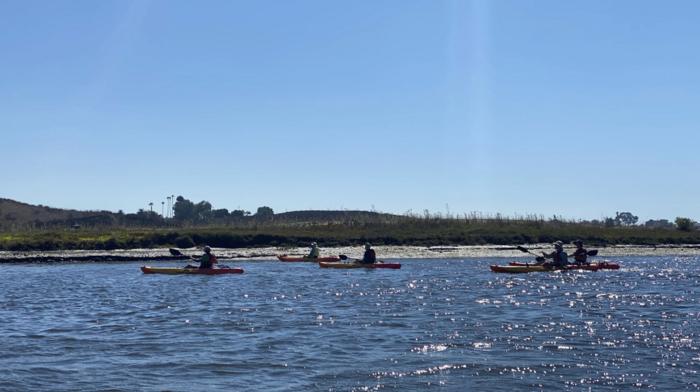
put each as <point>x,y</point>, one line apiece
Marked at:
<point>359,265</point>
<point>521,269</point>
<point>190,271</point>
<point>292,259</point>
<point>599,265</point>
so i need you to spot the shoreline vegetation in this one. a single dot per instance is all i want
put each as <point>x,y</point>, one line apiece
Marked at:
<point>25,227</point>
<point>408,233</point>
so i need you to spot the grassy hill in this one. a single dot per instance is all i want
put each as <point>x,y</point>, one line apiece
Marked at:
<point>16,215</point>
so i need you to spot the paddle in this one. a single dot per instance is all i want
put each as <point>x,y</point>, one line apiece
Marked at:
<point>525,250</point>
<point>175,252</point>
<point>537,257</point>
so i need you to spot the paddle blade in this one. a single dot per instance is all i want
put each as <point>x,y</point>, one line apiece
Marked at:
<point>523,249</point>
<point>593,252</point>
<point>175,252</point>
<point>539,258</point>
<point>343,257</point>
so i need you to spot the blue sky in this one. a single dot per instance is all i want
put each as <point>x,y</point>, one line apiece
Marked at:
<point>574,108</point>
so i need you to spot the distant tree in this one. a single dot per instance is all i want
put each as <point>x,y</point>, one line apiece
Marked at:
<point>237,214</point>
<point>220,213</point>
<point>609,222</point>
<point>625,218</point>
<point>183,209</point>
<point>202,211</point>
<point>684,224</point>
<point>659,224</point>
<point>264,212</point>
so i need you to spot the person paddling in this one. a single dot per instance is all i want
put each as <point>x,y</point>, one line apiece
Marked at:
<point>580,254</point>
<point>314,252</point>
<point>206,261</point>
<point>370,257</point>
<point>559,257</point>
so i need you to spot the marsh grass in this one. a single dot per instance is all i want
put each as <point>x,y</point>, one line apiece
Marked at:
<point>382,229</point>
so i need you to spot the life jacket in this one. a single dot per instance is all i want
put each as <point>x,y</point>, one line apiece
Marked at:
<point>560,258</point>
<point>580,255</point>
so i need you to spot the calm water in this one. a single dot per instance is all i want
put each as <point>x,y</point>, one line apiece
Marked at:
<point>434,324</point>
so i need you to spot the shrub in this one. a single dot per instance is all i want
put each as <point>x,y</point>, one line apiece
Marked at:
<point>184,241</point>
<point>684,224</point>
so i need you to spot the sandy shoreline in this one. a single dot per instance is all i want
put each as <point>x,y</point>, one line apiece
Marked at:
<point>385,252</point>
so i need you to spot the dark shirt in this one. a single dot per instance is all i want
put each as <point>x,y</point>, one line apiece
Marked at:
<point>559,259</point>
<point>370,257</point>
<point>580,256</point>
<point>207,261</point>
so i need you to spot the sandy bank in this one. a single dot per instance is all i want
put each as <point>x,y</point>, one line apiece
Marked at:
<point>385,252</point>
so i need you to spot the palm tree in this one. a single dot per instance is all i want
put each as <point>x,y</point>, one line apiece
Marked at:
<point>151,205</point>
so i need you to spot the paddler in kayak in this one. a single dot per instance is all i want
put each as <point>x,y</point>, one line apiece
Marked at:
<point>580,254</point>
<point>370,257</point>
<point>206,261</point>
<point>314,252</point>
<point>559,257</point>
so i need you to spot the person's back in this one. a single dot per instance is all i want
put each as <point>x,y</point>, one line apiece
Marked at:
<point>370,257</point>
<point>559,257</point>
<point>207,260</point>
<point>581,254</point>
<point>314,253</point>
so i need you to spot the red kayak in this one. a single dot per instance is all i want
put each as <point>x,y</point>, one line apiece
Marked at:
<point>599,265</point>
<point>307,259</point>
<point>359,265</point>
<point>190,271</point>
<point>519,269</point>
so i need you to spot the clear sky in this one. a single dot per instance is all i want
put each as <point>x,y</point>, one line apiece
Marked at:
<point>574,108</point>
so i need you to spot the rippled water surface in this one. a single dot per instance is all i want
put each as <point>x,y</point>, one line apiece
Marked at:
<point>434,324</point>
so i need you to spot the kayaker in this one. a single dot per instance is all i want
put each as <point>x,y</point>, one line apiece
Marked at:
<point>370,257</point>
<point>559,257</point>
<point>314,252</point>
<point>206,261</point>
<point>580,254</point>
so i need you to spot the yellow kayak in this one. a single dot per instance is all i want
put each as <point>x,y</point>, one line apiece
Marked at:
<point>190,271</point>
<point>359,265</point>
